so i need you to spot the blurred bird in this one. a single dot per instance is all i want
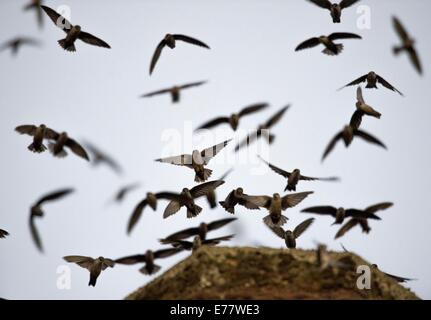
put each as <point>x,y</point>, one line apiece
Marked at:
<point>3,233</point>
<point>291,236</point>
<point>62,140</point>
<point>347,135</point>
<point>39,133</point>
<point>148,258</point>
<point>198,242</point>
<point>340,213</point>
<point>16,43</point>
<point>121,194</point>
<point>201,231</point>
<point>362,108</point>
<point>174,91</point>
<point>197,160</point>
<point>331,48</point>
<point>408,45</point>
<point>334,8</point>
<point>276,204</point>
<point>294,176</point>
<point>362,222</point>
<point>36,5</point>
<point>233,119</point>
<point>73,32</point>
<point>263,129</point>
<point>235,197</point>
<point>170,41</point>
<point>372,79</point>
<point>211,196</point>
<point>37,212</point>
<point>99,157</point>
<point>188,197</point>
<point>95,266</point>
<point>151,200</point>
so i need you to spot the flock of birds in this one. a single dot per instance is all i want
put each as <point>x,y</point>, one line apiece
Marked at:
<point>59,143</point>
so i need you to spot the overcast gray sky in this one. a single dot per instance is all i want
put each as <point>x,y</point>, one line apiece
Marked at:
<point>93,95</point>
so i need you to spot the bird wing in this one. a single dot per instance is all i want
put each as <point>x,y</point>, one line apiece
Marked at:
<point>397,278</point>
<point>305,178</point>
<point>302,227</point>
<point>204,188</point>
<point>291,200</point>
<point>359,95</point>
<point>190,40</point>
<point>356,82</point>
<point>54,196</point>
<point>136,215</point>
<point>414,58</point>
<point>248,140</point>
<point>183,234</point>
<point>252,109</point>
<point>278,231</point>
<point>369,138</point>
<point>107,263</point>
<point>310,43</point>
<point>399,28</point>
<point>356,119</point>
<point>361,214</point>
<point>321,210</point>
<point>218,239</point>
<point>276,169</point>
<point>58,19</point>
<point>77,149</point>
<point>224,176</point>
<point>208,153</point>
<point>166,253</point>
<point>82,261</point>
<point>172,208</point>
<point>346,227</point>
<point>95,41</point>
<point>387,85</point>
<point>181,160</point>
<point>219,223</point>
<point>214,122</point>
<point>332,144</point>
<point>276,117</point>
<point>137,258</point>
<point>347,3</point>
<point>260,201</point>
<point>35,234</point>
<point>379,207</point>
<point>168,196</point>
<point>157,54</point>
<point>193,84</point>
<point>343,35</point>
<point>325,4</point>
<point>154,93</point>
<point>3,233</point>
<point>26,129</point>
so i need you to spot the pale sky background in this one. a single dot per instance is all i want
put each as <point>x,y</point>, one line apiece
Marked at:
<point>93,95</point>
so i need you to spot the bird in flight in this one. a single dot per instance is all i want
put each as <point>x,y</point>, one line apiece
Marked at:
<point>148,258</point>
<point>15,44</point>
<point>174,91</point>
<point>121,194</point>
<point>198,242</point>
<point>372,79</point>
<point>95,266</point>
<point>289,236</point>
<point>334,8</point>
<point>37,212</point>
<point>99,157</point>
<point>407,45</point>
<point>331,48</point>
<point>197,160</point>
<point>187,199</point>
<point>39,133</point>
<point>3,233</point>
<point>211,196</point>
<point>170,41</point>
<point>362,108</point>
<point>151,200</point>
<point>201,231</point>
<point>235,197</point>
<point>73,32</point>
<point>362,222</point>
<point>276,205</point>
<point>341,213</point>
<point>347,135</point>
<point>36,5</point>
<point>294,176</point>
<point>233,119</point>
<point>62,140</point>
<point>263,130</point>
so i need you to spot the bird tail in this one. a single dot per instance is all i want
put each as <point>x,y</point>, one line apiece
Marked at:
<point>36,148</point>
<point>193,211</point>
<point>376,114</point>
<point>338,49</point>
<point>93,280</point>
<point>371,86</point>
<point>145,271</point>
<point>61,154</point>
<point>290,187</point>
<point>66,46</point>
<point>271,222</point>
<point>207,173</point>
<point>226,207</point>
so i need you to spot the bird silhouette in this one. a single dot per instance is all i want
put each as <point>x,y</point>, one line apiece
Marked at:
<point>334,8</point>
<point>331,48</point>
<point>3,234</point>
<point>291,236</point>
<point>372,79</point>
<point>407,45</point>
<point>237,197</point>
<point>15,44</point>
<point>95,266</point>
<point>341,213</point>
<point>174,91</point>
<point>36,6</point>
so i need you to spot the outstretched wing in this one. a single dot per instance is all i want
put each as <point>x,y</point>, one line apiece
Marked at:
<point>276,117</point>
<point>26,129</point>
<point>329,210</point>
<point>343,35</point>
<point>204,188</point>
<point>183,234</point>
<point>346,227</point>
<point>291,200</point>
<point>181,160</point>
<point>214,122</point>
<point>193,84</point>
<point>137,258</point>
<point>325,4</point>
<point>260,201</point>
<point>369,138</point>
<point>58,19</point>
<point>77,149</point>
<point>54,196</point>
<point>35,234</point>
<point>156,55</point>
<point>190,40</point>
<point>136,215</point>
<point>387,85</point>
<point>219,223</point>
<point>252,109</point>
<point>347,3</point>
<point>379,207</point>
<point>166,253</point>
<point>82,261</point>
<point>278,231</point>
<point>310,43</point>
<point>208,153</point>
<point>399,28</point>
<point>302,227</point>
<point>95,41</point>
<point>276,169</point>
<point>332,144</point>
<point>305,178</point>
<point>355,82</point>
